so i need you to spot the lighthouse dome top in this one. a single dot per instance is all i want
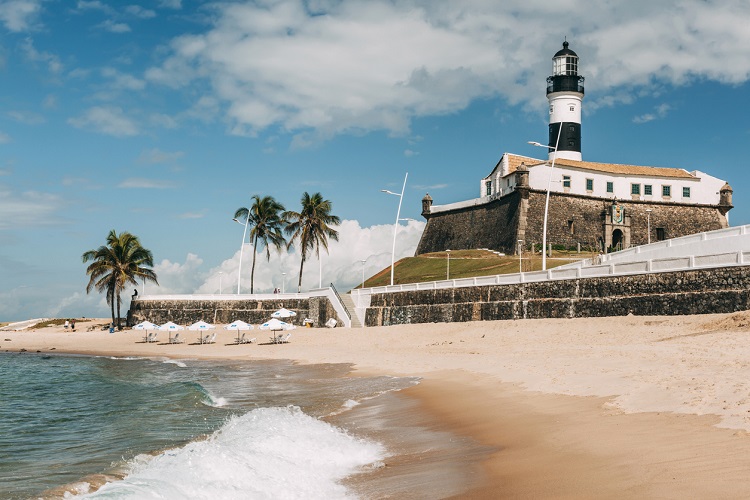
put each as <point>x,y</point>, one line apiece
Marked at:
<point>565,51</point>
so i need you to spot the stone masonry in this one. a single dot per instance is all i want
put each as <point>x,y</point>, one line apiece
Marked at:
<point>188,311</point>
<point>572,219</point>
<point>716,290</point>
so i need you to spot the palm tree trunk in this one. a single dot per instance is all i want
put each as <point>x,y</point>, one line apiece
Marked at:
<point>252,271</point>
<point>301,265</point>
<point>119,326</point>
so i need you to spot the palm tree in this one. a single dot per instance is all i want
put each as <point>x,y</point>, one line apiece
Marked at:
<point>311,226</point>
<point>264,216</point>
<point>118,263</point>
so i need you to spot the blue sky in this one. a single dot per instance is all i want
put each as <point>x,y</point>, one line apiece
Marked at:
<point>163,117</point>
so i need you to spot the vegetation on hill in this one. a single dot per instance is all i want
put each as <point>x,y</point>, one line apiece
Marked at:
<point>466,264</point>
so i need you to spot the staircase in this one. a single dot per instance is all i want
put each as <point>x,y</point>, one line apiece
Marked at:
<point>348,303</point>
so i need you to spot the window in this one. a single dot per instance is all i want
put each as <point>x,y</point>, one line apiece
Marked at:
<point>660,234</point>
<point>551,109</point>
<point>635,189</point>
<point>589,184</point>
<point>666,191</point>
<point>686,192</point>
<point>572,108</point>
<point>610,187</point>
<point>488,188</point>
<point>571,226</point>
<point>566,181</point>
<point>647,189</point>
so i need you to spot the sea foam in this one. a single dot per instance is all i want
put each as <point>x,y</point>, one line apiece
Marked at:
<point>278,453</point>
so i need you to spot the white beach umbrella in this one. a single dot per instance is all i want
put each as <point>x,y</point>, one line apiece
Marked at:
<point>146,325</point>
<point>283,313</point>
<point>171,327</point>
<point>201,326</point>
<point>238,325</point>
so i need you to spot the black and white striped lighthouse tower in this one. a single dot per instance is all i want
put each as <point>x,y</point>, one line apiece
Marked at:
<point>565,95</point>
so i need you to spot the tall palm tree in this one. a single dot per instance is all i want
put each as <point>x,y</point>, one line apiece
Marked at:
<point>311,226</point>
<point>264,217</point>
<point>115,265</point>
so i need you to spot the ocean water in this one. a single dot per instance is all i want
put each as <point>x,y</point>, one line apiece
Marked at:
<point>97,427</point>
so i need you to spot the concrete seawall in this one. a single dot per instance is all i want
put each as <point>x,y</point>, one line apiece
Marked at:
<point>714,290</point>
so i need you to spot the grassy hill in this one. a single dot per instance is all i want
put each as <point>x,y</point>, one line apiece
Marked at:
<point>466,264</point>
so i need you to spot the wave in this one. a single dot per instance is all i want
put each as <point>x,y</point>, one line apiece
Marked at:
<point>264,454</point>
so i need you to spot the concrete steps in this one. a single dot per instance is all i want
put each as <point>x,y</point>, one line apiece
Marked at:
<point>349,304</point>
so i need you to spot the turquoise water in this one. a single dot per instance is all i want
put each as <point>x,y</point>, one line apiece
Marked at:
<point>134,428</point>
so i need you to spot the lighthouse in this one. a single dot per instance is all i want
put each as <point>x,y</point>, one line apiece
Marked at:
<point>565,95</point>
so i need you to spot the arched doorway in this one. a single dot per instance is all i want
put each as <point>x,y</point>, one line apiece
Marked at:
<point>617,242</point>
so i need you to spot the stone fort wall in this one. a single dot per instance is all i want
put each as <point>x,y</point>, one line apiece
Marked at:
<point>707,291</point>
<point>572,219</point>
<point>187,311</point>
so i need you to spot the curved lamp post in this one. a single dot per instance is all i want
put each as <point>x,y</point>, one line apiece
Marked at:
<point>242,246</point>
<point>546,203</point>
<point>398,214</point>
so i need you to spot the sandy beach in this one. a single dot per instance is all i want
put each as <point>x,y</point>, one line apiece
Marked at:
<point>655,407</point>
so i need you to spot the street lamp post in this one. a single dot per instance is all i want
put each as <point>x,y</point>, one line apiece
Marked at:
<point>242,247</point>
<point>648,216</point>
<point>283,281</point>
<point>549,185</point>
<point>363,272</point>
<point>395,228</point>
<point>520,267</point>
<point>448,265</point>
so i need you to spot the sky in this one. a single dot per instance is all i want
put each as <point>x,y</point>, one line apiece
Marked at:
<point>163,117</point>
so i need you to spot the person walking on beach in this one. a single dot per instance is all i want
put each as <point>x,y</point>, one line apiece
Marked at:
<point>66,325</point>
<point>72,325</point>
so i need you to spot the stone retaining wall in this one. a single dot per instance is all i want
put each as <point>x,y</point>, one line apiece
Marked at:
<point>186,311</point>
<point>716,290</point>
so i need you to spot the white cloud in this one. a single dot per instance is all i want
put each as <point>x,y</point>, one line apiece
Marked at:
<point>409,153</point>
<point>138,11</point>
<point>106,120</point>
<point>141,183</point>
<point>177,278</point>
<point>51,60</point>
<point>17,15</point>
<point>157,156</point>
<point>342,266</point>
<point>430,186</point>
<point>114,27</point>
<point>659,112</point>
<point>122,81</point>
<point>29,208</point>
<point>26,117</point>
<point>4,138</point>
<point>170,4</point>
<point>364,65</point>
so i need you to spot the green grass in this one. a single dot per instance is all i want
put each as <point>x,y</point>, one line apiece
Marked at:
<point>465,264</point>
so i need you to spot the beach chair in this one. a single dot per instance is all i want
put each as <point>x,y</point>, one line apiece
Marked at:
<point>176,339</point>
<point>151,337</point>
<point>241,340</point>
<point>285,340</point>
<point>210,339</point>
<point>249,341</point>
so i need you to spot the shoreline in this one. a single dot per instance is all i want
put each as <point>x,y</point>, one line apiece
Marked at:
<point>580,408</point>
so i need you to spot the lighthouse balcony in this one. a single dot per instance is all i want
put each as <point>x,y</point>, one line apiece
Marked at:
<point>565,83</point>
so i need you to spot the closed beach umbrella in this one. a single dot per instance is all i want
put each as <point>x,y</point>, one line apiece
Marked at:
<point>238,325</point>
<point>171,327</point>
<point>283,313</point>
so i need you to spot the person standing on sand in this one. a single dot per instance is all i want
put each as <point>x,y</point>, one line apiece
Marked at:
<point>66,325</point>
<point>72,325</point>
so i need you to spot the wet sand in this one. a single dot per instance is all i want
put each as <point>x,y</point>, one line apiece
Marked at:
<point>654,407</point>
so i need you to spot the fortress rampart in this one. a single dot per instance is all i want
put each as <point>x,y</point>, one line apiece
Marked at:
<point>716,290</point>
